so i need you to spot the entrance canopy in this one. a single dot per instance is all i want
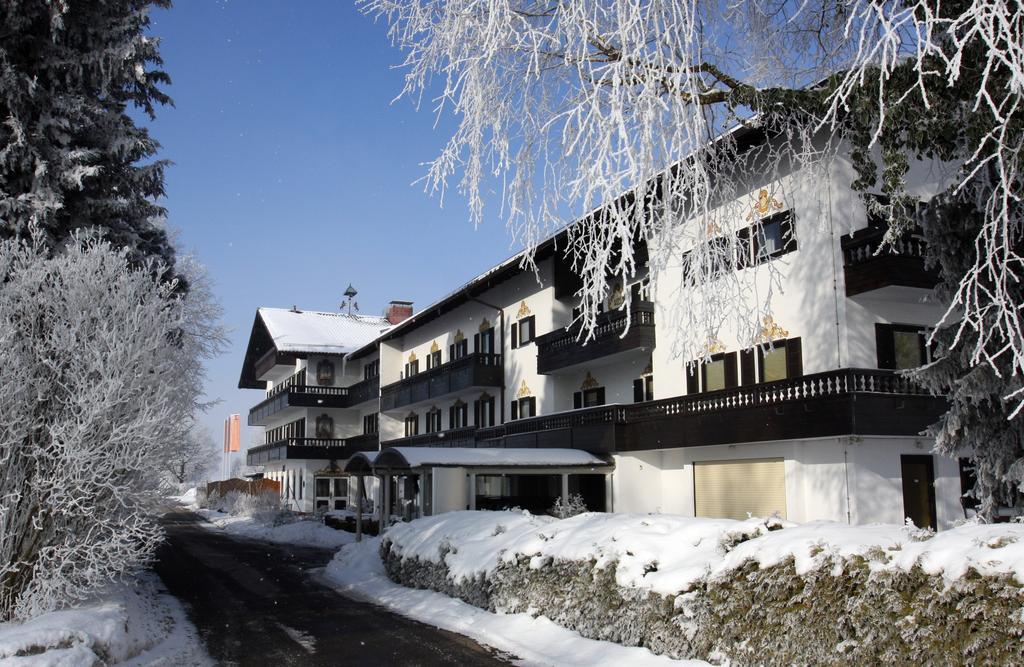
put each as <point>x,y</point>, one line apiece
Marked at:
<point>407,458</point>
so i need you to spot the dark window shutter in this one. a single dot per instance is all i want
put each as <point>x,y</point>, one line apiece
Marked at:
<point>451,352</point>
<point>451,417</point>
<point>638,390</point>
<point>786,231</point>
<point>747,367</point>
<point>490,412</point>
<point>885,346</point>
<point>743,249</point>
<point>476,413</point>
<point>794,358</point>
<point>730,370</point>
<point>515,409</point>
<point>577,400</point>
<point>600,396</point>
<point>476,343</point>
<point>691,378</point>
<point>533,406</point>
<point>515,338</point>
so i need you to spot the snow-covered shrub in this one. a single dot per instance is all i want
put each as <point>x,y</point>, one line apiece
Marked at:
<point>100,368</point>
<point>571,506</point>
<point>750,592</point>
<point>264,507</point>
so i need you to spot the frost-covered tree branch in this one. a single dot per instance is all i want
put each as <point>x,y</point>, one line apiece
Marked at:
<point>100,373</point>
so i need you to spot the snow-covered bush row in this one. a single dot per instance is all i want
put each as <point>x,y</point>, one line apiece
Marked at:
<point>263,507</point>
<point>747,591</point>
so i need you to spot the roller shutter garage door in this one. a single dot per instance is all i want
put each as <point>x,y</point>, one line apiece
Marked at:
<point>732,489</point>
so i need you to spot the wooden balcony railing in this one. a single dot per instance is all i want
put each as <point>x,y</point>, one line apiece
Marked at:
<point>292,393</point>
<point>473,370</point>
<point>308,448</point>
<point>868,266</point>
<point>563,348</point>
<point>455,437</point>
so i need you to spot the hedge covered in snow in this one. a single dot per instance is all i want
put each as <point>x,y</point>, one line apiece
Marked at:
<point>745,591</point>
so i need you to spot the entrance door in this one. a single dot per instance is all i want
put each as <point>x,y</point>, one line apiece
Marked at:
<point>331,493</point>
<point>918,472</point>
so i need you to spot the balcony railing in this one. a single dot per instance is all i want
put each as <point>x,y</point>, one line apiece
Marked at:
<point>840,402</point>
<point>867,268</point>
<point>473,370</point>
<point>455,437</point>
<point>290,395</point>
<point>309,448</point>
<point>563,348</point>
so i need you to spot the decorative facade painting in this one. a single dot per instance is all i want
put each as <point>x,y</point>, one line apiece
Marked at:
<point>764,205</point>
<point>325,427</point>
<point>325,373</point>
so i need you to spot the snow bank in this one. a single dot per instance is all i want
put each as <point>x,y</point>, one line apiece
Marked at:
<point>129,625</point>
<point>305,532</point>
<point>734,589</point>
<point>357,571</point>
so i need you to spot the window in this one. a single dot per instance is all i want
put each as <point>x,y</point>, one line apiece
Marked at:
<point>412,424</point>
<point>458,349</point>
<point>643,389</point>
<point>433,420</point>
<point>588,398</point>
<point>524,407</point>
<point>412,368</point>
<point>900,346</point>
<point>772,237</point>
<point>371,369</point>
<point>523,331</point>
<point>371,423</point>
<point>434,359</point>
<point>713,375</point>
<point>483,411</point>
<point>484,341</point>
<point>458,415</point>
<point>778,360</point>
<point>295,429</point>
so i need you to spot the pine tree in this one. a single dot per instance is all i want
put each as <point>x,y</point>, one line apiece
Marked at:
<point>71,157</point>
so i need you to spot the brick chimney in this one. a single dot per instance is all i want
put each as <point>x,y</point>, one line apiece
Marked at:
<point>398,311</point>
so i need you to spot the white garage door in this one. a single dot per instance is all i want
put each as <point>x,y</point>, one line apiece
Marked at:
<point>734,489</point>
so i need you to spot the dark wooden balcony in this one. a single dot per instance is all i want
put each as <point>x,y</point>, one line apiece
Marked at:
<point>867,269</point>
<point>841,402</point>
<point>563,348</point>
<point>473,370</point>
<point>599,430</point>
<point>290,395</point>
<point>455,437</point>
<point>834,403</point>
<point>309,448</point>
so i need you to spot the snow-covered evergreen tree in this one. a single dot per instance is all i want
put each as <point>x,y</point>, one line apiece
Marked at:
<point>100,374</point>
<point>70,155</point>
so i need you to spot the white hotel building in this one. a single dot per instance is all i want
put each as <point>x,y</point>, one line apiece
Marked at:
<point>485,400</point>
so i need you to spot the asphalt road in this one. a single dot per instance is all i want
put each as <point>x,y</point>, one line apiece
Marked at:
<point>256,603</point>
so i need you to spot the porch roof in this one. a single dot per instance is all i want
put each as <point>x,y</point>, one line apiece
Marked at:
<point>405,458</point>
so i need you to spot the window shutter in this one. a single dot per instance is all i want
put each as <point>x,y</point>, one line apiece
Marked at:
<point>885,346</point>
<point>515,338</point>
<point>730,370</point>
<point>451,417</point>
<point>786,231</point>
<point>794,358</point>
<point>533,406</point>
<point>476,413</point>
<point>476,343</point>
<point>489,406</point>
<point>515,410</point>
<point>600,396</point>
<point>577,400</point>
<point>747,367</point>
<point>743,248</point>
<point>638,390</point>
<point>451,353</point>
<point>691,378</point>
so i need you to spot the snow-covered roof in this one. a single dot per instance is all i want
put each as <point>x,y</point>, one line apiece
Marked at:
<point>311,331</point>
<point>487,457</point>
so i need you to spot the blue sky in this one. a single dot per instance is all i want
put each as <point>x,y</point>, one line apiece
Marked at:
<point>293,170</point>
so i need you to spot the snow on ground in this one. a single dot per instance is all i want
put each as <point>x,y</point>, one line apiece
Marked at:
<point>306,532</point>
<point>187,498</point>
<point>132,625</point>
<point>667,554</point>
<point>357,570</point>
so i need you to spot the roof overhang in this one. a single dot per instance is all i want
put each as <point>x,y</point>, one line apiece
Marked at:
<point>405,459</point>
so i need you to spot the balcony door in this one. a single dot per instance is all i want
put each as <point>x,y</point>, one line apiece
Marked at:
<point>918,472</point>
<point>331,493</point>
